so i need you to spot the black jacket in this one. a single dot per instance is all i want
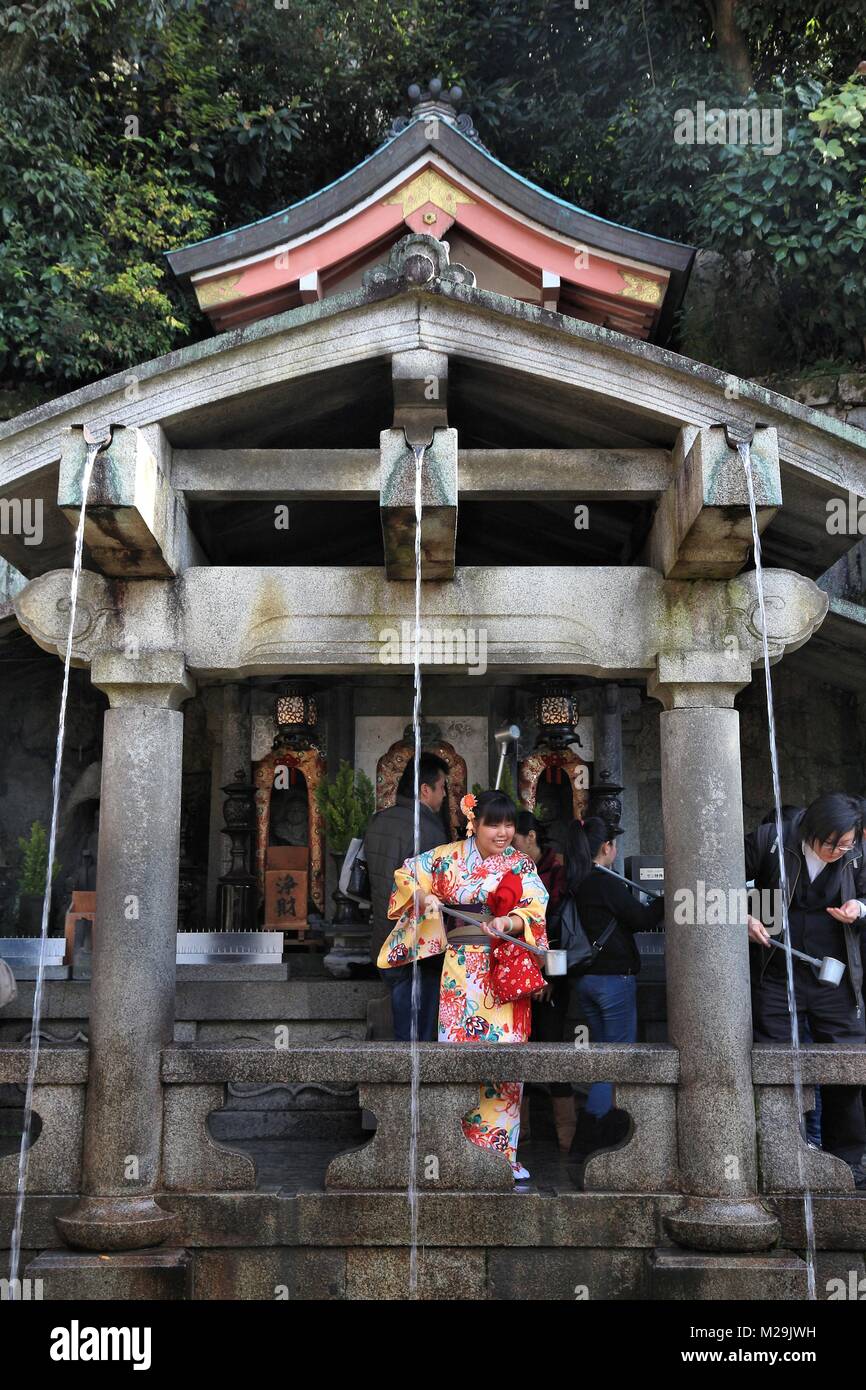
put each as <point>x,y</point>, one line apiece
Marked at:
<point>762,864</point>
<point>601,896</point>
<point>388,842</point>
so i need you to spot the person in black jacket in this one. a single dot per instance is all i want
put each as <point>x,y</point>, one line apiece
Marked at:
<point>607,992</point>
<point>388,842</point>
<point>825,868</point>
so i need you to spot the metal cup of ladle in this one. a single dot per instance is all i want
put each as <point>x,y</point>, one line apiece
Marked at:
<point>830,970</point>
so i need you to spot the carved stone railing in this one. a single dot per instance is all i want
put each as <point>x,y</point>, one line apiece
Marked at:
<point>54,1164</point>
<point>644,1075</point>
<point>195,1078</point>
<point>787,1163</point>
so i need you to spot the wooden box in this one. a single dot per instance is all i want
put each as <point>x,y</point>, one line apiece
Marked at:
<point>287,857</point>
<point>83,905</point>
<point>285,898</point>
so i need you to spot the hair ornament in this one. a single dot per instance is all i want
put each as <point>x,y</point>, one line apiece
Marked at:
<point>467,806</point>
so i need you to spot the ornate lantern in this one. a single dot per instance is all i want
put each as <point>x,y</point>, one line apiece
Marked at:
<point>556,714</point>
<point>296,717</point>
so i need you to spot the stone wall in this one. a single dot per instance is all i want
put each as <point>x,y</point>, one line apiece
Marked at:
<point>821,733</point>
<point>29,706</point>
<point>841,394</point>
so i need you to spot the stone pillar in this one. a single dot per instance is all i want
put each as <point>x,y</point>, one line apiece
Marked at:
<point>709,1010</point>
<point>134,940</point>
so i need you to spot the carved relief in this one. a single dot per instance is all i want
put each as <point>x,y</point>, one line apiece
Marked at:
<point>389,770</point>
<point>540,762</point>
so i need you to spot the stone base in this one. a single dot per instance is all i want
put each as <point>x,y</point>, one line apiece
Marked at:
<point>714,1224</point>
<point>687,1275</point>
<point>116,1223</point>
<point>151,1275</point>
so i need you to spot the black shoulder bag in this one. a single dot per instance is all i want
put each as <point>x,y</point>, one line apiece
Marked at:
<point>581,953</point>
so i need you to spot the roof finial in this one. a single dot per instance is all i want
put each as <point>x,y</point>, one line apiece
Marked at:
<point>435,104</point>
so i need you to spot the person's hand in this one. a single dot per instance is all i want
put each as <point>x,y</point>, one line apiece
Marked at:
<point>541,996</point>
<point>424,903</point>
<point>758,932</point>
<point>504,925</point>
<point>849,912</point>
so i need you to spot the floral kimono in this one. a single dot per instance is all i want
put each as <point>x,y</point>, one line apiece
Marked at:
<point>468,1012</point>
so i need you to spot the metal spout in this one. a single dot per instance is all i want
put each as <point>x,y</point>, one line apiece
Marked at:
<point>418,428</point>
<point>93,435</point>
<point>737,432</point>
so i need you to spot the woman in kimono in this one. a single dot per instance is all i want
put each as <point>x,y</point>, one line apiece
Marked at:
<point>466,875</point>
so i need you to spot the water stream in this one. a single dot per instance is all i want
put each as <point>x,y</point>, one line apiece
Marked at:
<point>415,1086</point>
<point>744,451</point>
<point>94,447</point>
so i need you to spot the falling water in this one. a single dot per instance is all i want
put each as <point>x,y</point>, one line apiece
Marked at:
<point>94,447</point>
<point>743,449</point>
<point>418,451</point>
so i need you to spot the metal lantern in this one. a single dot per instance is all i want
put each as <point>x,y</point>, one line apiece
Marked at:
<point>296,717</point>
<point>557,714</point>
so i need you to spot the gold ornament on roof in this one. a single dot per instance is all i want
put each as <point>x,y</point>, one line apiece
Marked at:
<point>639,287</point>
<point>428,187</point>
<point>218,291</point>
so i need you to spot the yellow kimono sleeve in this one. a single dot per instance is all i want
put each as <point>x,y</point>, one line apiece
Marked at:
<point>399,946</point>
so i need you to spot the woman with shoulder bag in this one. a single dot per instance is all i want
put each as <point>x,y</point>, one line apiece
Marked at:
<point>606,983</point>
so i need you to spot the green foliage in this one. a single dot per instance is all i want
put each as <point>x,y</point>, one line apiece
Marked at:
<point>34,864</point>
<point>800,214</point>
<point>127,129</point>
<point>346,805</point>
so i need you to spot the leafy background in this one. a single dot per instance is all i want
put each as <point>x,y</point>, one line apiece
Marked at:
<point>128,127</point>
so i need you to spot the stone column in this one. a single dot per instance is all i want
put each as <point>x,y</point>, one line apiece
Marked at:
<point>134,940</point>
<point>709,1010</point>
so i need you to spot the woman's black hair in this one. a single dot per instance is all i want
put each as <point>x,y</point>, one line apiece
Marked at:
<point>582,844</point>
<point>830,817</point>
<point>526,823</point>
<point>495,808</point>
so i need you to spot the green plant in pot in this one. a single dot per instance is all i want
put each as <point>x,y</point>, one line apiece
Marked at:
<point>31,879</point>
<point>345,805</point>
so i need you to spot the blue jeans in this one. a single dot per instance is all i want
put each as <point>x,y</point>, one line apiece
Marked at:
<point>399,981</point>
<point>609,1005</point>
<point>812,1118</point>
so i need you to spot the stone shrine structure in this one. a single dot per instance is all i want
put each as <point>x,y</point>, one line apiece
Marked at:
<point>430,297</point>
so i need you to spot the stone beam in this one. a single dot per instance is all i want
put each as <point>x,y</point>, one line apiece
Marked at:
<point>438,502</point>
<point>601,621</point>
<point>703,527</point>
<point>214,475</point>
<point>136,524</point>
<point>352,475</point>
<point>613,475</point>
